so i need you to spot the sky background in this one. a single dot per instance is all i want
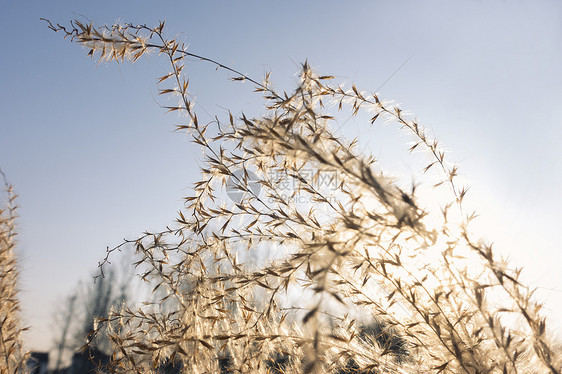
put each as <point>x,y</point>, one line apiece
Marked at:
<point>94,158</point>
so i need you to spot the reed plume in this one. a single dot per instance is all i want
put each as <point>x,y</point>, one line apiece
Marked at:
<point>12,353</point>
<point>321,262</point>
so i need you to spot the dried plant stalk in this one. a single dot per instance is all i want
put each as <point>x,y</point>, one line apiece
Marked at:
<point>281,275</point>
<point>12,354</point>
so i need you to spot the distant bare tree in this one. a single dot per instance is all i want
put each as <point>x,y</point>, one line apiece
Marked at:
<point>75,319</point>
<point>96,299</point>
<point>63,320</point>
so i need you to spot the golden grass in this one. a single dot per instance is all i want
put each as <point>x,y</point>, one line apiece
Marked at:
<point>12,354</point>
<point>284,279</point>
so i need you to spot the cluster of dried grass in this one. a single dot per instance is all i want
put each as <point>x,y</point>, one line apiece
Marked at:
<point>286,280</point>
<point>12,354</point>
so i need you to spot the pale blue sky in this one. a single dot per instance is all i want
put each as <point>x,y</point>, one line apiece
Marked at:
<point>94,158</point>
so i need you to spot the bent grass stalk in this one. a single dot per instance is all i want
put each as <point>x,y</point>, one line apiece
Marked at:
<point>442,301</point>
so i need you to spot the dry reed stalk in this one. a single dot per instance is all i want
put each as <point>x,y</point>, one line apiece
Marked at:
<point>442,301</point>
<point>12,354</point>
